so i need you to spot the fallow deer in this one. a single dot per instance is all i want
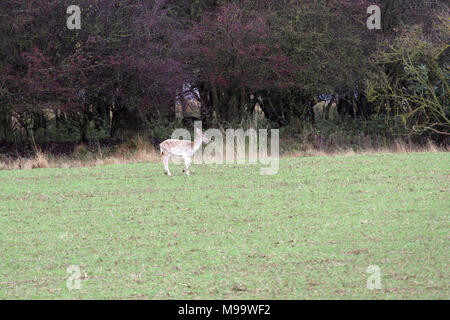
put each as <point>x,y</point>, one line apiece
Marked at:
<point>183,148</point>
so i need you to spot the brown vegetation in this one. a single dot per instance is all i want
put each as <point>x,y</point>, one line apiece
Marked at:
<point>133,151</point>
<point>137,150</point>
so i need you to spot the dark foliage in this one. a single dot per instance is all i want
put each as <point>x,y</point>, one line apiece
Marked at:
<point>133,61</point>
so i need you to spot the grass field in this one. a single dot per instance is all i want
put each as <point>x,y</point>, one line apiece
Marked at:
<point>226,232</point>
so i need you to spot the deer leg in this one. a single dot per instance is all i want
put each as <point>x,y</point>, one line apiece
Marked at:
<point>187,163</point>
<point>166,159</point>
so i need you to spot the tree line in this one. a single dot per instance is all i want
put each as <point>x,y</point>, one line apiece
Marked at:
<point>132,61</point>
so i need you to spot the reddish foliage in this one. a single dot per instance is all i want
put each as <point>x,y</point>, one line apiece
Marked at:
<point>233,48</point>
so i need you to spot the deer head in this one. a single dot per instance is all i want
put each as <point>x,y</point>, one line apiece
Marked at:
<point>201,135</point>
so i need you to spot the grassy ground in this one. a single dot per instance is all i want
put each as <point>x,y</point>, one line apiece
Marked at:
<point>311,231</point>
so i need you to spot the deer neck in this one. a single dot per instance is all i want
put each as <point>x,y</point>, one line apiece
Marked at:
<point>196,145</point>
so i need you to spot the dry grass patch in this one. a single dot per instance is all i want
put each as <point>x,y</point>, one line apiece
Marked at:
<point>129,152</point>
<point>139,150</point>
<point>397,147</point>
<point>40,160</point>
